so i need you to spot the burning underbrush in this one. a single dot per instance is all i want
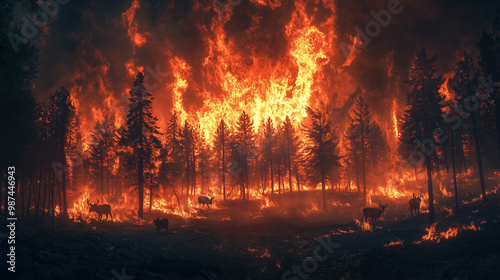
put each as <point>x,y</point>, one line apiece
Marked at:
<point>298,206</point>
<point>437,236</point>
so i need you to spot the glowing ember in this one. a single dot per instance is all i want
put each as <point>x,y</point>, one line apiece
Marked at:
<point>394,243</point>
<point>365,226</point>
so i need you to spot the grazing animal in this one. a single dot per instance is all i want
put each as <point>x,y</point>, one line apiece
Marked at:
<point>202,200</point>
<point>163,223</point>
<point>415,204</point>
<point>100,209</point>
<point>373,213</point>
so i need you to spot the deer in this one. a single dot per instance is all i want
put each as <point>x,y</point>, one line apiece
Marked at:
<point>414,203</point>
<point>373,213</point>
<point>163,223</point>
<point>100,209</point>
<point>202,200</point>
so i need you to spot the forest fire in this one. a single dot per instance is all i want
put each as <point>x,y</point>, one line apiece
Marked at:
<point>435,236</point>
<point>218,139</point>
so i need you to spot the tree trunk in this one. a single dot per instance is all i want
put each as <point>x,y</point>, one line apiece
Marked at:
<point>141,170</point>
<point>478,157</point>
<point>279,178</point>
<point>29,194</point>
<point>430,191</point>
<point>44,209</point>
<point>64,198</point>
<point>364,165</point>
<point>51,198</point>
<point>297,177</point>
<point>461,152</point>
<point>454,171</point>
<point>358,186</point>
<point>101,175</point>
<point>151,194</point>
<point>289,170</point>
<point>223,170</point>
<point>141,187</point>
<point>323,190</point>
<point>272,175</point>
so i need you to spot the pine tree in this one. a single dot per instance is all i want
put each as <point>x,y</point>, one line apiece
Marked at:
<point>63,112</point>
<point>245,140</point>
<point>140,135</point>
<point>205,161</point>
<point>268,149</point>
<point>321,148</point>
<point>359,131</point>
<point>378,147</point>
<point>489,62</point>
<point>171,154</point>
<point>186,141</point>
<point>423,114</point>
<point>291,145</point>
<point>464,83</point>
<point>351,134</point>
<point>101,152</point>
<point>222,136</point>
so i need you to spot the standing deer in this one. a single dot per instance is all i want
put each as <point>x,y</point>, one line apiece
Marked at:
<point>100,209</point>
<point>373,213</point>
<point>202,200</point>
<point>415,204</point>
<point>163,223</point>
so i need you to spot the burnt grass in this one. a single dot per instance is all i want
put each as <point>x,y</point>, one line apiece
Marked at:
<point>238,241</point>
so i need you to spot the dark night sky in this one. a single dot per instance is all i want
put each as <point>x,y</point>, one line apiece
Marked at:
<point>87,35</point>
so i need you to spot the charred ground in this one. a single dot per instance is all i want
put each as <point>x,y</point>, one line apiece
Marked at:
<point>231,244</point>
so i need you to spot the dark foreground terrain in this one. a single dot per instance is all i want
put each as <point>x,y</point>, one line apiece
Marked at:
<point>230,245</point>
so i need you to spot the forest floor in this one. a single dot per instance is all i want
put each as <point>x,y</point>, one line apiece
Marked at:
<point>239,244</point>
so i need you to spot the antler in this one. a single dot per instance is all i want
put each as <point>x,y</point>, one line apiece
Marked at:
<point>88,201</point>
<point>97,202</point>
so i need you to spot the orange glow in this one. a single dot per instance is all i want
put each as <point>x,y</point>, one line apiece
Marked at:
<point>232,80</point>
<point>445,90</point>
<point>395,118</point>
<point>129,21</point>
<point>435,236</point>
<point>394,243</point>
<point>365,226</point>
<point>258,84</point>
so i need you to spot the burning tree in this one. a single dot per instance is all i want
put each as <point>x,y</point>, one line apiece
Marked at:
<point>423,115</point>
<point>140,136</point>
<point>321,149</point>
